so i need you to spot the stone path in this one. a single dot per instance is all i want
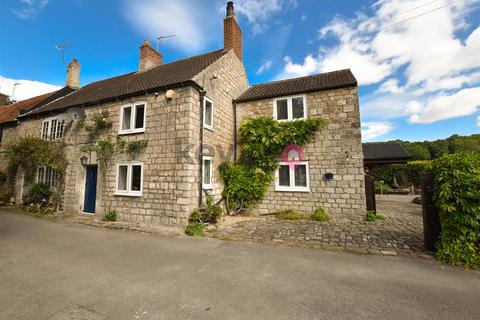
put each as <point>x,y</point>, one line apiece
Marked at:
<point>401,233</point>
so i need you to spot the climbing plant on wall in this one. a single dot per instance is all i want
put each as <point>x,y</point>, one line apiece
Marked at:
<point>30,152</point>
<point>262,140</point>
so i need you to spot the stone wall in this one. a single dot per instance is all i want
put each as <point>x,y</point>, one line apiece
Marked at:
<point>223,81</point>
<point>9,133</point>
<point>336,149</point>
<point>171,176</point>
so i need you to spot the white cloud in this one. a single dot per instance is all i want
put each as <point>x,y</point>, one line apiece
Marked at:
<point>28,9</point>
<point>374,52</point>
<point>463,103</point>
<point>303,17</point>
<point>185,19</point>
<point>372,130</point>
<point>478,121</point>
<point>391,86</point>
<point>26,89</point>
<point>264,67</point>
<point>429,55</point>
<point>260,12</point>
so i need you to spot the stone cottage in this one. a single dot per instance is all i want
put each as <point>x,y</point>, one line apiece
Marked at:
<point>188,111</point>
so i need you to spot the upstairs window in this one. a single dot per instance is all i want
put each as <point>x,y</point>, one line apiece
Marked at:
<point>294,178</point>
<point>133,118</point>
<point>290,108</point>
<point>208,113</point>
<point>129,178</point>
<point>46,176</point>
<point>53,129</point>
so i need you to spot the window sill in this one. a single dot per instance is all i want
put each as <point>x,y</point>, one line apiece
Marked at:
<point>286,120</point>
<point>207,187</point>
<point>208,128</point>
<point>124,133</point>
<point>125,194</point>
<point>281,189</point>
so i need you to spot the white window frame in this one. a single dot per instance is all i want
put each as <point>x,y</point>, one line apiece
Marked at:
<point>207,186</point>
<point>292,187</point>
<point>44,181</point>
<point>205,125</point>
<point>290,107</point>
<point>133,114</point>
<point>47,134</point>
<point>129,192</point>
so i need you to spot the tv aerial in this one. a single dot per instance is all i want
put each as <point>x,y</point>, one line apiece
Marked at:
<point>162,37</point>
<point>62,48</point>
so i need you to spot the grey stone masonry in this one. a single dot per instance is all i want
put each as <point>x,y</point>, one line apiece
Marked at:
<point>337,149</point>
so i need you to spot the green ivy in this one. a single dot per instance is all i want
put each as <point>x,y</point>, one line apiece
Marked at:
<point>262,140</point>
<point>457,195</point>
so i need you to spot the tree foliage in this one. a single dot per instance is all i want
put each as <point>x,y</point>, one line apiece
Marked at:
<point>433,149</point>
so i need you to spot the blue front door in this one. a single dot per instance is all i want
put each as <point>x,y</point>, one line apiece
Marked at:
<point>90,189</point>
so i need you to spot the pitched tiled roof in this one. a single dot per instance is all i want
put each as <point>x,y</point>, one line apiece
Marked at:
<point>384,151</point>
<point>10,112</point>
<point>324,81</point>
<point>136,82</point>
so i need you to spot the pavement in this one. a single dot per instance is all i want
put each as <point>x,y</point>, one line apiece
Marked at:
<point>400,233</point>
<point>57,271</point>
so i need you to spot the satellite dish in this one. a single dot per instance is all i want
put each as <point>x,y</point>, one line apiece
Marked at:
<point>75,113</point>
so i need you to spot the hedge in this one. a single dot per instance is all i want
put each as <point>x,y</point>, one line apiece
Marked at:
<point>457,195</point>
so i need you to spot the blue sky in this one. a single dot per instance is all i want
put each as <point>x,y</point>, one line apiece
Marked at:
<point>417,61</point>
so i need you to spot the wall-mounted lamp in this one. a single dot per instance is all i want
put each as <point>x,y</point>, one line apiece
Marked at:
<point>170,94</point>
<point>347,156</point>
<point>84,160</point>
<point>329,176</point>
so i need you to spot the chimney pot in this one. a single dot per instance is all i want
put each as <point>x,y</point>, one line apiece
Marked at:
<point>73,74</point>
<point>230,9</point>
<point>149,57</point>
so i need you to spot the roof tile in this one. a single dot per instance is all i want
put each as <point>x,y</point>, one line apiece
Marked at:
<point>319,82</point>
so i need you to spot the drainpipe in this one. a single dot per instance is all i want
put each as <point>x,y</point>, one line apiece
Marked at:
<point>201,94</point>
<point>234,131</point>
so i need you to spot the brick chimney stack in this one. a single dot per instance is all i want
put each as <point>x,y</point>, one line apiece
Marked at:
<point>149,57</point>
<point>232,34</point>
<point>73,74</point>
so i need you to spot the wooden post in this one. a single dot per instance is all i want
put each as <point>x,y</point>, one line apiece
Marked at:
<point>370,193</point>
<point>431,215</point>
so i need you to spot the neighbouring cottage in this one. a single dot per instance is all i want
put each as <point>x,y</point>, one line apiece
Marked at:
<point>9,114</point>
<point>186,115</point>
<point>382,154</point>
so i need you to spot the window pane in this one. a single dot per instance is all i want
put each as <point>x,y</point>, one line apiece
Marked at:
<point>45,130</point>
<point>282,109</point>
<point>61,125</point>
<point>122,178</point>
<point>136,177</point>
<point>284,176</point>
<point>127,116</point>
<point>297,108</point>
<point>207,175</point>
<point>40,175</point>
<point>139,116</point>
<point>301,175</point>
<point>53,129</point>
<point>208,113</point>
